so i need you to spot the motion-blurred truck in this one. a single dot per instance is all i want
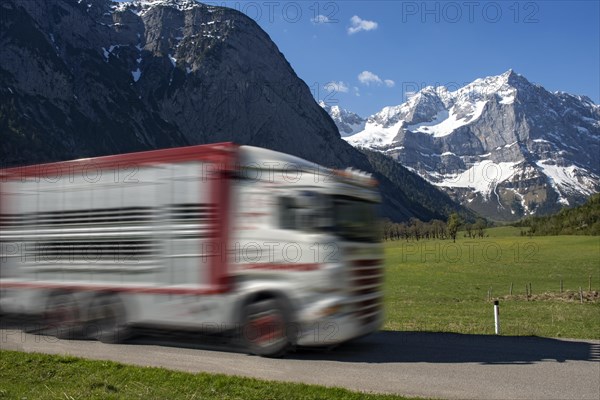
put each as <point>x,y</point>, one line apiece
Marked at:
<point>217,238</point>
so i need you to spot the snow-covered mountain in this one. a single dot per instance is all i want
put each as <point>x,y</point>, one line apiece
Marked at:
<point>347,122</point>
<point>501,145</point>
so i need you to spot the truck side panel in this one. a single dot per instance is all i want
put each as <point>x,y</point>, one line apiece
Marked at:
<point>146,223</point>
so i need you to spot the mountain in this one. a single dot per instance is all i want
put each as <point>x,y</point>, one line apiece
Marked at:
<point>112,77</point>
<point>501,145</point>
<point>347,122</point>
<point>94,77</point>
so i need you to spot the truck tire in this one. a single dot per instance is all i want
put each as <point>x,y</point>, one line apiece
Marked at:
<point>265,324</point>
<point>107,319</point>
<point>62,316</point>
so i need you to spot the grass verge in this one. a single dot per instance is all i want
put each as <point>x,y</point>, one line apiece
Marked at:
<point>40,376</point>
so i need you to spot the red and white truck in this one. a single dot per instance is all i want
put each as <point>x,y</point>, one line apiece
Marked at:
<point>219,238</point>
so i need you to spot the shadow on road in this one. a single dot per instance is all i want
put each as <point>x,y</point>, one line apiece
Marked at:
<point>393,347</point>
<point>434,347</point>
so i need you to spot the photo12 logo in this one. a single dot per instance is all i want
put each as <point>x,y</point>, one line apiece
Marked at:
<point>472,252</point>
<point>81,172</point>
<point>288,11</point>
<point>453,12</point>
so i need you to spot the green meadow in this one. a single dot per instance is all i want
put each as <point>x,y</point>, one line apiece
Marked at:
<point>441,286</point>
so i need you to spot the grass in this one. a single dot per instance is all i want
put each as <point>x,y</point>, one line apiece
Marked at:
<point>40,376</point>
<point>437,285</point>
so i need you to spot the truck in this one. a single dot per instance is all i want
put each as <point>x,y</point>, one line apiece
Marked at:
<point>219,238</point>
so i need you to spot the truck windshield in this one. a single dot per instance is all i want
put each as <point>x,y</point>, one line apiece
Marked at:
<point>349,218</point>
<point>355,220</point>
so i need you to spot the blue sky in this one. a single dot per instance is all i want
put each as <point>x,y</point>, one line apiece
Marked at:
<point>401,46</point>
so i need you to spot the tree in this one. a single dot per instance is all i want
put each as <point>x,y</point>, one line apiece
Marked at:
<point>416,227</point>
<point>439,228</point>
<point>388,226</point>
<point>480,226</point>
<point>469,229</point>
<point>454,222</point>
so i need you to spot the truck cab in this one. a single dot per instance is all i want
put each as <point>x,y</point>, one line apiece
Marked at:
<point>311,235</point>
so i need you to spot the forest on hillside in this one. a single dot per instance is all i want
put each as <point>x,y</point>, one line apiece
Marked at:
<point>582,220</point>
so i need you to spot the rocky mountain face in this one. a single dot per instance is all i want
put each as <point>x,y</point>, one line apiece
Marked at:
<point>82,78</point>
<point>98,77</point>
<point>503,146</point>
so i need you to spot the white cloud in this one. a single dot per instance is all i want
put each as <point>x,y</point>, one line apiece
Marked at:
<point>338,87</point>
<point>358,24</point>
<point>356,91</point>
<point>367,77</point>
<point>320,19</point>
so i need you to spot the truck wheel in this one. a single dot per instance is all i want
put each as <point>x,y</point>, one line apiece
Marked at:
<point>107,319</point>
<point>62,316</point>
<point>265,328</point>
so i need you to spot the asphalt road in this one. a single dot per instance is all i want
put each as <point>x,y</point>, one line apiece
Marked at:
<point>438,365</point>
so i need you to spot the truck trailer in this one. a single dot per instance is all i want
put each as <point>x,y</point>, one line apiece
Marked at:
<point>218,238</point>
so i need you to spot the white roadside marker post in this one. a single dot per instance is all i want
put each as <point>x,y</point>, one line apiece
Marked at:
<point>497,316</point>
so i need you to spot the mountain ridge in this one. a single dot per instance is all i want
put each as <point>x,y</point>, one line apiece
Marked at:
<point>500,145</point>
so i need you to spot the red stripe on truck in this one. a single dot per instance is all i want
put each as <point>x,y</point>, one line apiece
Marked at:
<point>282,267</point>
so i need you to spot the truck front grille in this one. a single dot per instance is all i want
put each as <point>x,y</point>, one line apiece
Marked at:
<point>365,279</point>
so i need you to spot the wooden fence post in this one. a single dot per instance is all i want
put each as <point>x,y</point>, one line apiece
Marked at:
<point>561,285</point>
